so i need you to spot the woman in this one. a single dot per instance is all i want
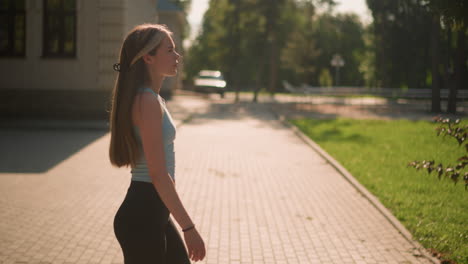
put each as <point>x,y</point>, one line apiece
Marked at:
<point>142,135</point>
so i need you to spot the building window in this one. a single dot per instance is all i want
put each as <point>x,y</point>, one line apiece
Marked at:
<point>59,28</point>
<point>12,28</point>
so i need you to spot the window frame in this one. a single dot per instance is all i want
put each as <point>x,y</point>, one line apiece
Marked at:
<point>62,14</point>
<point>12,13</point>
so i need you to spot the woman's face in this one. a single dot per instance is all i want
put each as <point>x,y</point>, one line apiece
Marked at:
<point>165,61</point>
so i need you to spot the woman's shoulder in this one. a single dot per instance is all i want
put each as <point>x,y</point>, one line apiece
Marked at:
<point>149,92</point>
<point>148,101</point>
<point>146,106</point>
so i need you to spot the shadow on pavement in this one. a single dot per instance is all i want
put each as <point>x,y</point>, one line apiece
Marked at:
<point>233,111</point>
<point>36,150</point>
<point>240,111</point>
<point>389,111</point>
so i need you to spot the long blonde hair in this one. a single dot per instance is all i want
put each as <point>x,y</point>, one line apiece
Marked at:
<point>141,40</point>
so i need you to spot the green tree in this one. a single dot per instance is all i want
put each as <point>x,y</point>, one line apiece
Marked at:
<point>401,35</point>
<point>453,14</point>
<point>315,39</point>
<point>239,37</point>
<point>325,79</point>
<point>341,34</point>
<point>367,58</point>
<point>299,56</point>
<point>408,53</point>
<point>208,50</point>
<point>256,43</point>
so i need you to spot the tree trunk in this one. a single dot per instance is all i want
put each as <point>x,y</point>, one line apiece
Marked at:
<point>258,81</point>
<point>236,46</point>
<point>435,107</point>
<point>273,65</point>
<point>272,26</point>
<point>460,57</point>
<point>448,69</point>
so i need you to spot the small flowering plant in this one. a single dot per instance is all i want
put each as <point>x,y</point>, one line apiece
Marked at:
<point>458,131</point>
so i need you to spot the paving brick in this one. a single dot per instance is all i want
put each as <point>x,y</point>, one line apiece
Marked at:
<point>256,192</point>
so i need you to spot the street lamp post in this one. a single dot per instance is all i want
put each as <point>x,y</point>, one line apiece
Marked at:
<point>337,62</point>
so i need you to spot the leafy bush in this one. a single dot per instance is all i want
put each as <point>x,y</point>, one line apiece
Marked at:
<point>458,131</point>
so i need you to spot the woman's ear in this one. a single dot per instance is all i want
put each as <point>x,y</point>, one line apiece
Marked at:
<point>148,59</point>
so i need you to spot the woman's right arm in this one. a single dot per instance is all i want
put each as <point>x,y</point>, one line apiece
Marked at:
<point>150,125</point>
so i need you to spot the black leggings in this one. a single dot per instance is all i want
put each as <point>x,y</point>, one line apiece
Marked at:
<point>144,230</point>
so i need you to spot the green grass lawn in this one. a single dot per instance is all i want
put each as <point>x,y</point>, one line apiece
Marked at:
<point>376,153</point>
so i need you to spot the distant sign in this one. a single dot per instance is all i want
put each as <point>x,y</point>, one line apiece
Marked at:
<point>337,61</point>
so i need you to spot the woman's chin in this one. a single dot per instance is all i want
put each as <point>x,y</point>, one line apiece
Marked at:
<point>171,74</point>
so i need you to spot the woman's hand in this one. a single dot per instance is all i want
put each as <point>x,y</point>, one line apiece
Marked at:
<point>195,245</point>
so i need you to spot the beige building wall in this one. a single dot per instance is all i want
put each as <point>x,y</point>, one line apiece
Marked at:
<point>111,26</point>
<point>140,11</point>
<point>117,18</point>
<point>78,87</point>
<point>101,28</point>
<point>35,72</point>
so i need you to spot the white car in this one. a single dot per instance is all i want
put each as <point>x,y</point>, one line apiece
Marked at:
<point>210,82</point>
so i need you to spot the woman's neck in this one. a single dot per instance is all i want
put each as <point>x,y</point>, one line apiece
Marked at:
<point>156,83</point>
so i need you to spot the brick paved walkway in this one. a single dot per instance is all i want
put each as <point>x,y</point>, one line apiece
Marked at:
<point>257,193</point>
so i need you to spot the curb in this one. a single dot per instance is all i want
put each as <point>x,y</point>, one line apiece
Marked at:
<point>360,188</point>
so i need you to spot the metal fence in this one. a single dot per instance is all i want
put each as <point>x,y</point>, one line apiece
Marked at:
<point>411,93</point>
<point>417,99</point>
